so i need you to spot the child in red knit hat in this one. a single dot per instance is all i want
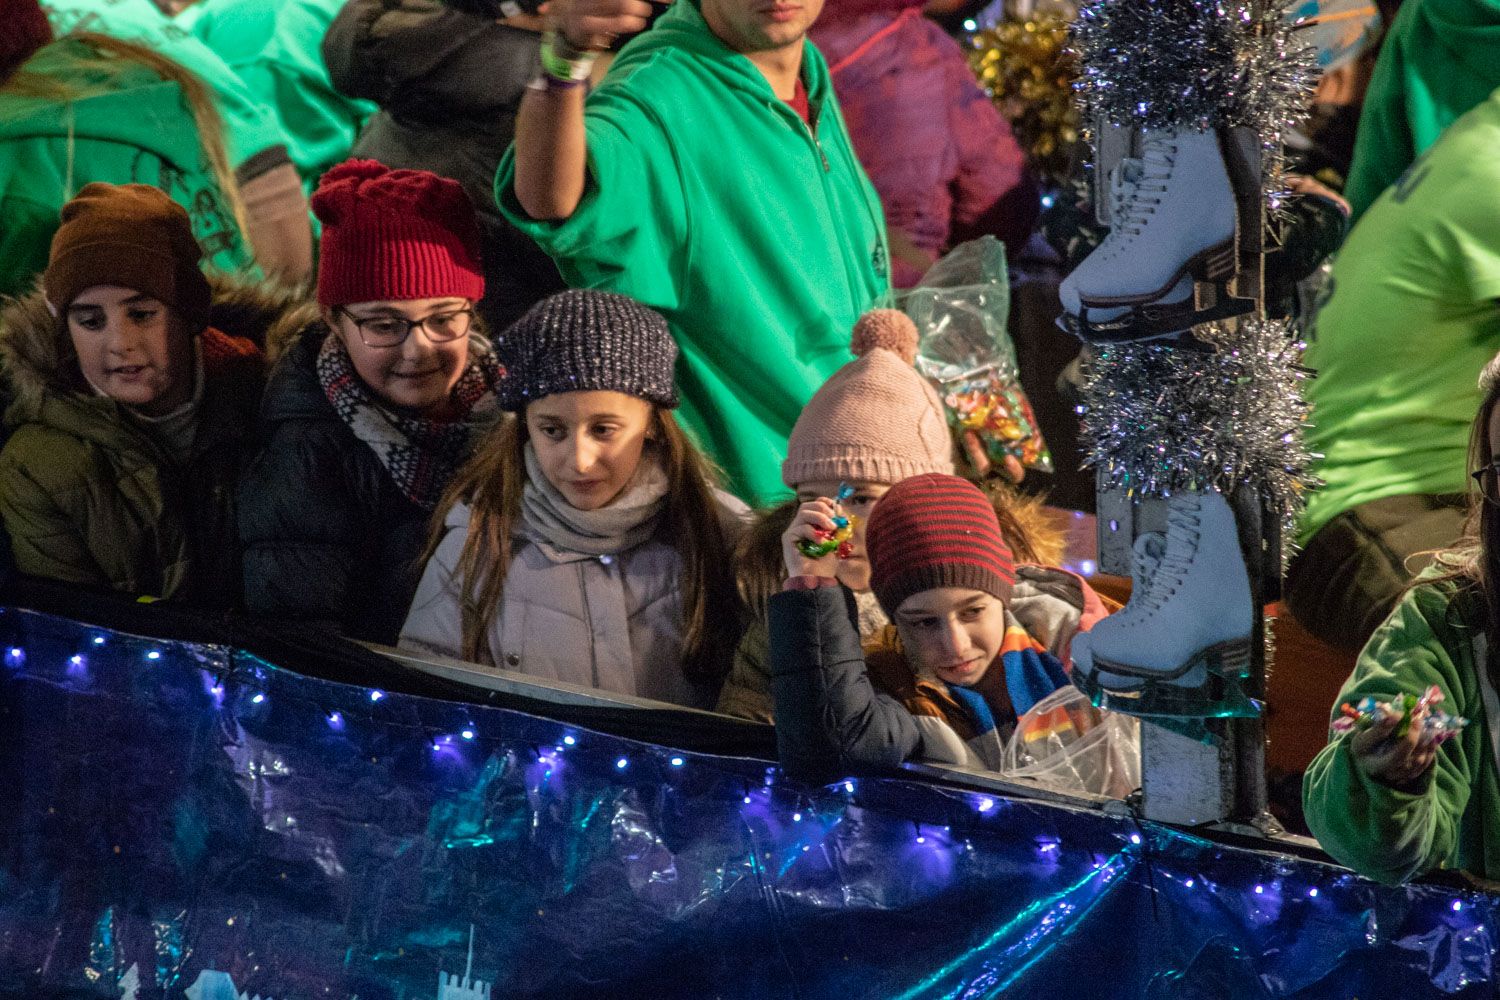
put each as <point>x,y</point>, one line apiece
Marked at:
<point>979,640</point>
<point>382,390</point>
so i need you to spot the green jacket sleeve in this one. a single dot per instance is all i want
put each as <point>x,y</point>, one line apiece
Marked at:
<point>747,690</point>
<point>25,241</point>
<point>45,539</point>
<point>1381,832</point>
<point>632,220</point>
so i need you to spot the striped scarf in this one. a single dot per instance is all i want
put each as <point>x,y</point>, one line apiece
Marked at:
<point>421,455</point>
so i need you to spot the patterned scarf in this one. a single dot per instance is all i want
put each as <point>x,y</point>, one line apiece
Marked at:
<point>421,455</point>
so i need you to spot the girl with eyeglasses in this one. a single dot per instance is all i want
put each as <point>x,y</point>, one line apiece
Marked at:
<point>1381,799</point>
<point>383,388</point>
<point>586,541</point>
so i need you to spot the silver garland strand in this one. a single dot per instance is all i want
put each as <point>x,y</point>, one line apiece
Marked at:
<point>1160,418</point>
<point>1195,63</point>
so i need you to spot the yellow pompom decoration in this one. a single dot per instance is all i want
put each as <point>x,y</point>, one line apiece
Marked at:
<point>1028,70</point>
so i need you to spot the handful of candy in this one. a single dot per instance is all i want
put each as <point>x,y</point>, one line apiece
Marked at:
<point>836,540</point>
<point>1438,727</point>
<point>993,416</point>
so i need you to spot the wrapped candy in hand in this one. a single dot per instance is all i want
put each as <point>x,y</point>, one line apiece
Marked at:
<point>837,540</point>
<point>1437,726</point>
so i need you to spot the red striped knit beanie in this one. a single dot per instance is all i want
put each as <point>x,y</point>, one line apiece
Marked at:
<point>935,531</point>
<point>394,235</point>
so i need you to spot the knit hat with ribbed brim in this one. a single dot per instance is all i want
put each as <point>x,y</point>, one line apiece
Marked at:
<point>395,235</point>
<point>25,29</point>
<point>936,531</point>
<point>875,420</point>
<point>582,340</point>
<point>133,236</point>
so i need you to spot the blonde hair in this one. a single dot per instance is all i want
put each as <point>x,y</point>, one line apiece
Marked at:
<point>104,70</point>
<point>492,482</point>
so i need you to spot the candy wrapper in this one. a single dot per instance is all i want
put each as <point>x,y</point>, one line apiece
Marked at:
<point>960,309</point>
<point>1438,726</point>
<point>837,540</point>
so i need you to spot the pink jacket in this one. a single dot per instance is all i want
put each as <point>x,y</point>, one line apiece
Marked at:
<point>942,158</point>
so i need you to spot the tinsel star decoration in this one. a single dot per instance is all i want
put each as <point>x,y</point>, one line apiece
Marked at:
<point>1162,416</point>
<point>1027,68</point>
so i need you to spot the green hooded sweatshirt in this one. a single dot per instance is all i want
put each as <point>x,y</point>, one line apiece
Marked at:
<point>1440,58</point>
<point>1452,820</point>
<point>274,46</point>
<point>711,201</point>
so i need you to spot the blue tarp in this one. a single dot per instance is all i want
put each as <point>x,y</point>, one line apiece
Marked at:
<point>185,820</point>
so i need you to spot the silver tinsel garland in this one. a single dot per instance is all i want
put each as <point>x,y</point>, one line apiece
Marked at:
<point>1160,418</point>
<point>1170,63</point>
<point>1177,63</point>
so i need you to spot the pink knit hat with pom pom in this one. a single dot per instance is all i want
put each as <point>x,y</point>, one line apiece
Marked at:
<point>875,420</point>
<point>394,235</point>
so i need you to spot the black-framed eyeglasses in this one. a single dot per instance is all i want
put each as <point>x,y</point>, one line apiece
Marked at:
<point>392,331</point>
<point>1488,480</point>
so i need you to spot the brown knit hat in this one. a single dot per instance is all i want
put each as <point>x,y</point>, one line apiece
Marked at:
<point>131,235</point>
<point>875,419</point>
<point>936,531</point>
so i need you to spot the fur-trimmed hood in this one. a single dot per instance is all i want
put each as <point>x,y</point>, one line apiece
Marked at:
<point>34,363</point>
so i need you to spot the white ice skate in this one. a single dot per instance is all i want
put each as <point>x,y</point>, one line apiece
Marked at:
<point>1182,646</point>
<point>1173,221</point>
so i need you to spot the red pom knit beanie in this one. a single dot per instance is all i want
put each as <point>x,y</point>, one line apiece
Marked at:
<point>394,235</point>
<point>935,531</point>
<point>23,30</point>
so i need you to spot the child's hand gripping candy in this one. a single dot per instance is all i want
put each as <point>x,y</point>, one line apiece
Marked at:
<point>833,539</point>
<point>1396,741</point>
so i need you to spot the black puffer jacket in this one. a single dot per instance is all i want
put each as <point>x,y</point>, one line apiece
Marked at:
<point>328,536</point>
<point>448,84</point>
<point>831,721</point>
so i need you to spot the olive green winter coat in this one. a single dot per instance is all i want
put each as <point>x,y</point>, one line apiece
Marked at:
<point>88,493</point>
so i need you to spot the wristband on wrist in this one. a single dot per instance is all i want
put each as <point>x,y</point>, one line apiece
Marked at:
<point>562,61</point>
<point>547,83</point>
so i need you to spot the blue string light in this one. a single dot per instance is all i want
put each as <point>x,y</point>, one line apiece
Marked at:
<point>154,654</point>
<point>622,763</point>
<point>467,734</point>
<point>376,695</point>
<point>569,741</point>
<point>257,699</point>
<point>678,762</point>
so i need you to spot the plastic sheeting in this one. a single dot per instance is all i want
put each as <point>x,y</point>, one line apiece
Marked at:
<point>190,821</point>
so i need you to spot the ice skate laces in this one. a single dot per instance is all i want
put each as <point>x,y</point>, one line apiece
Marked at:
<point>1154,170</point>
<point>1122,181</point>
<point>1148,550</point>
<point>1181,543</point>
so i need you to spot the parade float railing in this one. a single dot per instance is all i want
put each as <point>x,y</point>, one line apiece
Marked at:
<point>211,808</point>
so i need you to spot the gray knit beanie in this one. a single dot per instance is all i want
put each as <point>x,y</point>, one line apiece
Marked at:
<point>582,340</point>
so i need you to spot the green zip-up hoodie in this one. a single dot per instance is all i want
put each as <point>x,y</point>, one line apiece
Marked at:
<point>1453,820</point>
<point>1440,58</point>
<point>710,200</point>
<point>139,130</point>
<point>274,47</point>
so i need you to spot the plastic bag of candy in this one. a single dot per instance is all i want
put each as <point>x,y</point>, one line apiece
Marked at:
<point>960,308</point>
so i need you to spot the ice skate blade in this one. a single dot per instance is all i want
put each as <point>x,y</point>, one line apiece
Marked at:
<point>1209,685</point>
<point>1152,322</point>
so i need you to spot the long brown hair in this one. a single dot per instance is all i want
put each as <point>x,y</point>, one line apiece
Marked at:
<point>1474,561</point>
<point>491,483</point>
<point>104,70</point>
<point>1033,535</point>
